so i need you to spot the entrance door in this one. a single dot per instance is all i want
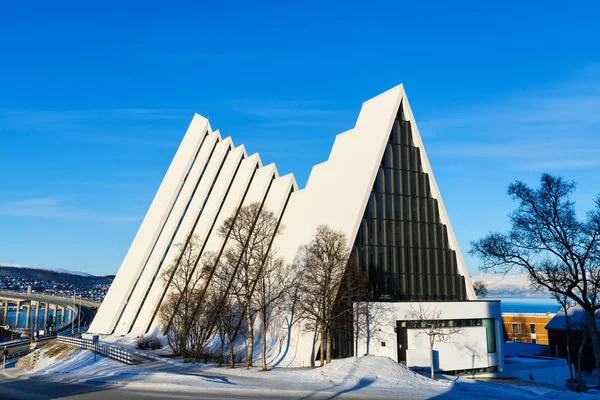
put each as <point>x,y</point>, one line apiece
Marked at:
<point>401,340</point>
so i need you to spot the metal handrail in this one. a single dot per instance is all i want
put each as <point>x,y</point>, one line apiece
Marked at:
<point>74,331</point>
<point>104,349</point>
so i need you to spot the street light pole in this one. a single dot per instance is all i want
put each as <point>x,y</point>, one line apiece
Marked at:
<point>73,319</point>
<point>79,316</point>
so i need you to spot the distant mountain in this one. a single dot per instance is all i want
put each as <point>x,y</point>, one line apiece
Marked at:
<point>58,275</point>
<point>508,285</point>
<point>64,271</point>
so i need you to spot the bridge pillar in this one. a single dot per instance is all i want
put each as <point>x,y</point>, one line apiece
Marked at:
<point>27,315</point>
<point>62,316</point>
<point>18,311</point>
<point>5,312</point>
<point>36,316</point>
<point>45,315</point>
<point>54,320</point>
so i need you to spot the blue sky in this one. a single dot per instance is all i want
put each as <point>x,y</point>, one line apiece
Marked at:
<point>94,100</point>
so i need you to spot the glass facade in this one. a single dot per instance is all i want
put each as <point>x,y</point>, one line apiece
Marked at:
<point>401,244</point>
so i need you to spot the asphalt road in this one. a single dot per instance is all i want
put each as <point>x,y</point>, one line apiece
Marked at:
<point>20,347</point>
<point>41,389</point>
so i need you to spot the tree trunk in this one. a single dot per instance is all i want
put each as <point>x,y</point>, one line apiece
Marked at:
<point>250,350</point>
<point>357,332</point>
<point>569,362</point>
<point>329,345</point>
<point>222,351</point>
<point>593,330</point>
<point>367,327</point>
<point>264,345</point>
<point>583,343</point>
<point>569,359</point>
<point>322,352</point>
<point>431,342</point>
<point>231,357</point>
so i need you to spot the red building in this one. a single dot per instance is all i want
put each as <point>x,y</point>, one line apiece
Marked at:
<point>557,337</point>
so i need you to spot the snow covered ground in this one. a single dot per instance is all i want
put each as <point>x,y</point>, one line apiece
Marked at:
<point>364,377</point>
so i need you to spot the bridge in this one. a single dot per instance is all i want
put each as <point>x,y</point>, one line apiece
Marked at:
<point>59,312</point>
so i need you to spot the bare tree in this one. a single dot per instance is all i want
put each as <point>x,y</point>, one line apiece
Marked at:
<point>481,289</point>
<point>221,331</point>
<point>230,325</point>
<point>560,253</point>
<point>275,280</point>
<point>325,261</point>
<point>582,326</point>
<point>289,305</point>
<point>354,288</point>
<point>565,305</point>
<point>429,323</point>
<point>575,323</point>
<point>187,332</point>
<point>249,234</point>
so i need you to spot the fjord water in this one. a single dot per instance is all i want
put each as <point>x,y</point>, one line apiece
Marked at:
<point>529,304</point>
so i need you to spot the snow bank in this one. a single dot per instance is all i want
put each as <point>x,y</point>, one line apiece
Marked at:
<point>380,370</point>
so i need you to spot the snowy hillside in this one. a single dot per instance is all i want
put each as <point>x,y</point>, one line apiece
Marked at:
<point>508,285</point>
<point>60,270</point>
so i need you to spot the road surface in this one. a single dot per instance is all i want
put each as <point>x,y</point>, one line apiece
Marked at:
<point>18,348</point>
<point>35,388</point>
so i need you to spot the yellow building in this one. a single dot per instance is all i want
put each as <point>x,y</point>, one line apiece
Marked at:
<point>526,328</point>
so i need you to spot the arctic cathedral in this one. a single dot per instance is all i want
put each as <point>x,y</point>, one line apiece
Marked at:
<point>377,187</point>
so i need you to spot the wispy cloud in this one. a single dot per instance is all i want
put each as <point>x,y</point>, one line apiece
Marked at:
<point>555,127</point>
<point>134,126</point>
<point>288,113</point>
<point>56,207</point>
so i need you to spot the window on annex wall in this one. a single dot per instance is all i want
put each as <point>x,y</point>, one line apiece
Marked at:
<point>517,328</point>
<point>532,328</point>
<point>490,333</point>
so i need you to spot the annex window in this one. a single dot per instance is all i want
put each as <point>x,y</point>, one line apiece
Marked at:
<point>532,328</point>
<point>490,334</point>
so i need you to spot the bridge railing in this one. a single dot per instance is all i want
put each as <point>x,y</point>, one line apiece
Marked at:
<point>104,349</point>
<point>18,354</point>
<point>87,301</point>
<point>73,332</point>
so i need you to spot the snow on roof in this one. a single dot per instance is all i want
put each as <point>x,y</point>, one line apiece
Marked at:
<point>576,320</point>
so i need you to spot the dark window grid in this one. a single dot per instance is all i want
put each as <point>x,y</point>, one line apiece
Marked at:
<point>389,236</point>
